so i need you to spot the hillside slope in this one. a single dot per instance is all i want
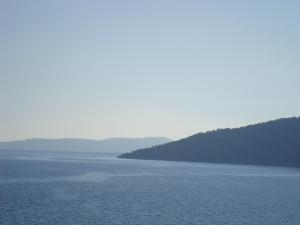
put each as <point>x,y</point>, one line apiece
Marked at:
<point>274,143</point>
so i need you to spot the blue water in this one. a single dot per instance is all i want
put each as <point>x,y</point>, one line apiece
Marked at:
<point>41,188</point>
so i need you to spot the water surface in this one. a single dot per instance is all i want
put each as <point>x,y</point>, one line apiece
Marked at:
<point>93,188</point>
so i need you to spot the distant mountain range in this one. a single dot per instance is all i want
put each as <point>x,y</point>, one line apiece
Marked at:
<point>113,145</point>
<point>275,143</point>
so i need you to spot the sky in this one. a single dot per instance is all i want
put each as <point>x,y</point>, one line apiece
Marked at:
<point>137,68</point>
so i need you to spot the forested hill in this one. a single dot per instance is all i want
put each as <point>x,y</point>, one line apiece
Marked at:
<point>275,143</point>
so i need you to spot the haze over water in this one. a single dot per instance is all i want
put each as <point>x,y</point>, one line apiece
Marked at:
<point>90,188</point>
<point>97,69</point>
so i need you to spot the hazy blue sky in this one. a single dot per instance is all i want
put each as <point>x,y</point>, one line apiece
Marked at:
<point>97,69</point>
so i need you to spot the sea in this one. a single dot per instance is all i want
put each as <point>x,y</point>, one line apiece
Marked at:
<point>84,188</point>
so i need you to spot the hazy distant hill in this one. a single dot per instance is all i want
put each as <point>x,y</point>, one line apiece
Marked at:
<point>119,145</point>
<point>271,143</point>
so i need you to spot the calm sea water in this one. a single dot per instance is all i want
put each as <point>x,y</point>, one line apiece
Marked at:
<point>41,188</point>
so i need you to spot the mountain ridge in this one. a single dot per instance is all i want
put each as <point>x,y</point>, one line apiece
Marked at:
<point>115,144</point>
<point>275,143</point>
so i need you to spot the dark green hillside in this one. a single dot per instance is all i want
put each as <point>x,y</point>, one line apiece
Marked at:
<point>275,143</point>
